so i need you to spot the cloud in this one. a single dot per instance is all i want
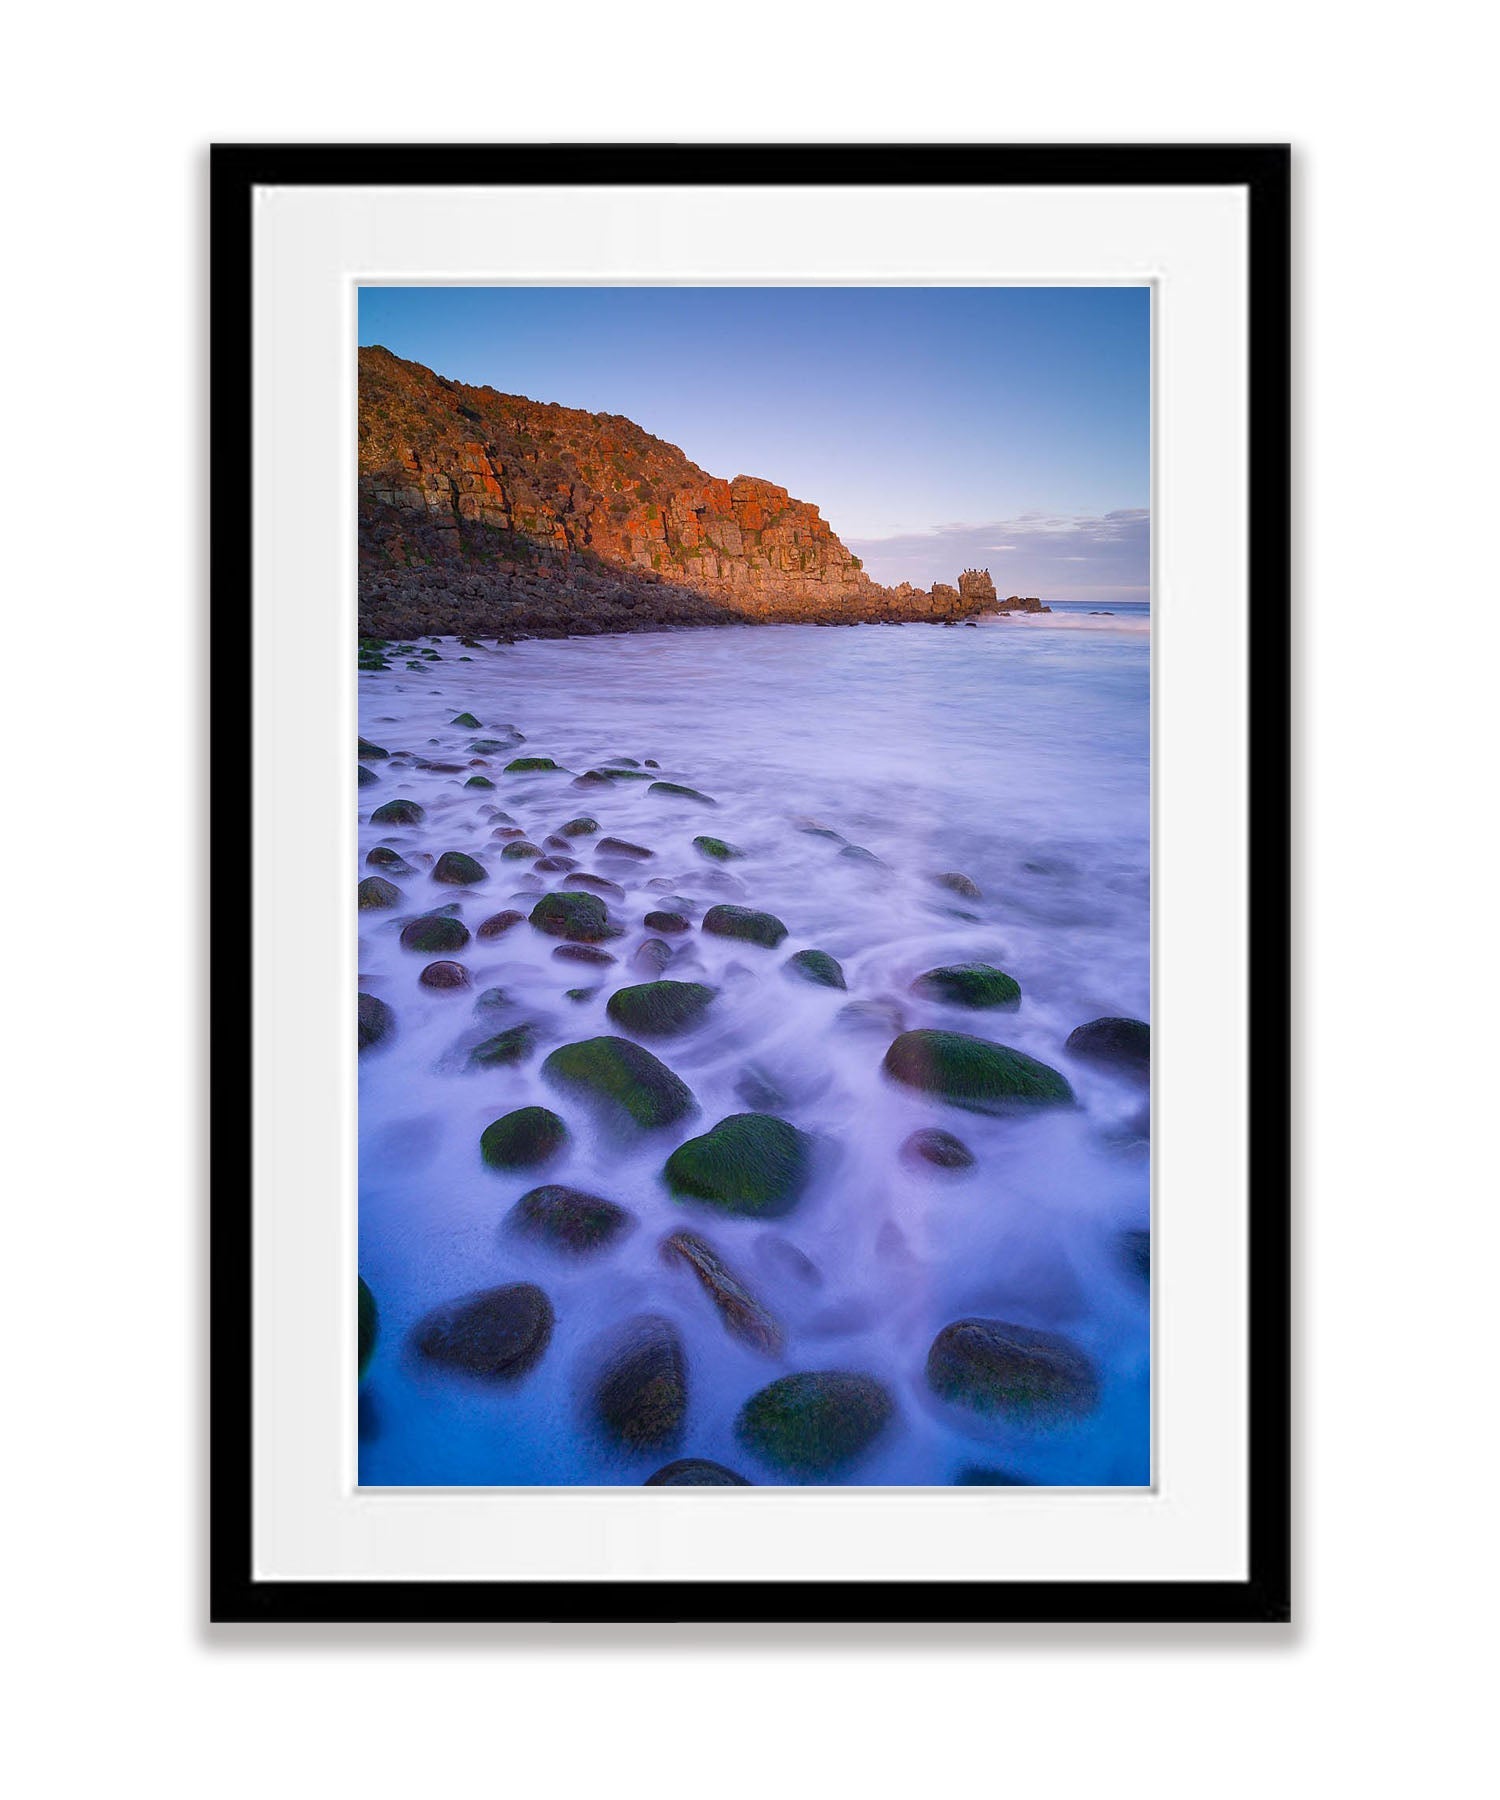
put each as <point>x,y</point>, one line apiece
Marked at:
<point>1056,556</point>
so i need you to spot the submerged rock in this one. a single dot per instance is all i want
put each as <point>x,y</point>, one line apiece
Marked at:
<point>743,1315</point>
<point>375,893</point>
<point>672,922</point>
<point>641,1394</point>
<point>580,917</point>
<point>650,958</point>
<point>398,812</point>
<point>939,1148</point>
<point>1029,1376</point>
<point>674,790</point>
<point>744,923</point>
<point>751,1164</point>
<point>660,1008</point>
<point>974,984</point>
<point>958,884</point>
<point>695,1471</point>
<point>520,850</point>
<point>554,865</point>
<point>569,1218</point>
<point>858,854</point>
<point>582,826</point>
<point>522,1139</point>
<point>884,1016</point>
<point>582,953</point>
<point>818,967</point>
<point>628,1080</point>
<point>505,1049</point>
<point>376,1021</point>
<point>533,765</point>
<point>458,870</point>
<point>444,975</point>
<point>1123,1045</point>
<point>369,752</point>
<point>430,932</point>
<point>467,720</point>
<point>368,777</point>
<point>815,1424</point>
<point>497,924</point>
<point>599,884</point>
<point>497,1334</point>
<point>623,849</point>
<point>974,1073</point>
<point>717,849</point>
<point>369,1319</point>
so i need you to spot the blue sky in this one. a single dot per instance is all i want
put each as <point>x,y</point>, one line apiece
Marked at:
<point>1008,427</point>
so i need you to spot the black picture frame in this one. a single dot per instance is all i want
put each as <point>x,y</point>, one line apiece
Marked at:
<point>1263,172</point>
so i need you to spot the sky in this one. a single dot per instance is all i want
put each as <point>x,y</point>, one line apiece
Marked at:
<point>935,428</point>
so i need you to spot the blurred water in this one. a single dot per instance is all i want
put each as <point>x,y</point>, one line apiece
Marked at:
<point>1016,753</point>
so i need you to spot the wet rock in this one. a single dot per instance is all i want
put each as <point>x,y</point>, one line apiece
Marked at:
<point>958,884</point>
<point>994,1367</point>
<point>660,1008</point>
<point>751,1164</point>
<point>818,967</point>
<point>434,767</point>
<point>582,953</point>
<point>492,746</point>
<point>580,917</point>
<point>467,720</point>
<point>858,854</point>
<point>973,985</point>
<point>497,1334</point>
<point>505,1049</point>
<point>582,826</point>
<point>884,1016</point>
<point>815,1424</point>
<point>781,1258</point>
<point>369,1325</point>
<point>491,1002</point>
<point>821,831</point>
<point>376,1021</point>
<point>940,1149</point>
<point>554,865</point>
<point>398,812</point>
<point>1135,1253</point>
<point>974,1073</point>
<point>640,1397</point>
<point>621,762</point>
<point>578,995</point>
<point>569,1219</point>
<point>623,849</point>
<point>672,922</point>
<point>522,1139</point>
<point>744,1316</point>
<point>479,781</point>
<point>651,957</point>
<point>520,850</point>
<point>458,870</point>
<point>368,777</point>
<point>497,924</point>
<point>369,752</point>
<point>375,894</point>
<point>383,857</point>
<point>674,790</point>
<point>695,1471</point>
<point>745,924</point>
<point>1121,1045</point>
<point>717,850</point>
<point>444,975</point>
<point>758,1091</point>
<point>630,1083</point>
<point>533,765</point>
<point>507,834</point>
<point>599,884</point>
<point>430,932</point>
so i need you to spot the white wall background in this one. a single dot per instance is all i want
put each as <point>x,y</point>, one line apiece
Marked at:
<point>1378,1688</point>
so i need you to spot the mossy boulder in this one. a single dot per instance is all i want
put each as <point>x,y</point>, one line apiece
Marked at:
<point>505,1049</point>
<point>458,870</point>
<point>818,967</point>
<point>974,984</point>
<point>674,790</point>
<point>491,746</point>
<point>974,1073</point>
<point>520,850</point>
<point>939,1149</point>
<point>496,1334</point>
<point>745,924</point>
<point>376,1021</point>
<point>479,781</point>
<point>444,975</point>
<point>695,1471</point>
<point>623,849</point>
<point>582,826</point>
<point>744,1316</point>
<point>376,894</point>
<point>670,922</point>
<point>628,1081</point>
<point>433,932</point>
<point>751,1164</point>
<point>1013,1371</point>
<point>640,1396</point>
<point>369,1325</point>
<point>522,1139</point>
<point>383,857</point>
<point>717,849</point>
<point>1121,1045</point>
<point>398,812</point>
<point>582,918</point>
<point>533,765</point>
<point>569,1219</point>
<point>815,1424</point>
<point>497,924</point>
<point>467,720</point>
<point>369,752</point>
<point>660,1008</point>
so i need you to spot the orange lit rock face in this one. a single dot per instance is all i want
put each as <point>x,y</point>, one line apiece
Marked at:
<point>473,503</point>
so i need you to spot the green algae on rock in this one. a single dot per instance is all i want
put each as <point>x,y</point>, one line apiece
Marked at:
<point>376,1021</point>
<point>752,1164</point>
<point>582,918</point>
<point>640,1396</point>
<point>660,1008</point>
<point>496,1334</point>
<point>695,1471</point>
<point>458,870</point>
<point>376,894</point>
<point>383,857</point>
<point>974,984</point>
<point>505,1049</point>
<point>369,752</point>
<point>398,812</point>
<point>818,967</point>
<point>432,932</point>
<point>629,1081</point>
<point>582,826</point>
<point>814,1424</point>
<point>479,781</point>
<point>994,1367</point>
<point>744,923</point>
<point>973,1073</point>
<point>369,1325</point>
<point>533,765</point>
<point>674,790</point>
<point>522,1139</point>
<point>520,850</point>
<point>569,1219</point>
<point>467,720</point>
<point>717,849</point>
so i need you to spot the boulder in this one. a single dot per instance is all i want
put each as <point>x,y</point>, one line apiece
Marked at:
<point>994,1367</point>
<point>458,870</point>
<point>671,922</point>
<point>815,1424</point>
<point>497,924</point>
<point>695,1471</point>
<point>383,857</point>
<point>743,923</point>
<point>467,720</point>
<point>958,884</point>
<point>522,1139</point>
<point>582,953</point>
<point>818,967</point>
<point>752,1164</point>
<point>660,1008</point>
<point>974,984</point>
<point>398,812</point>
<point>505,1049</point>
<point>1121,1045</point>
<point>717,850</point>
<point>368,777</point>
<point>582,826</point>
<point>973,1073</point>
<point>520,850</point>
<point>628,1081</point>
<point>623,849</point>
<point>579,917</point>
<point>743,1315</point>
<point>497,1334</point>
<point>569,1219</point>
<point>641,1392</point>
<point>940,1149</point>
<point>369,752</point>
<point>674,790</point>
<point>479,781</point>
<point>444,975</point>
<point>430,932</point>
<point>376,894</point>
<point>376,1021</point>
<point>533,765</point>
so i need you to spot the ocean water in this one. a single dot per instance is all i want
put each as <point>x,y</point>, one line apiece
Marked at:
<point>1016,753</point>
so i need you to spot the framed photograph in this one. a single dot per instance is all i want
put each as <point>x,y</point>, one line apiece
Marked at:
<point>758,677</point>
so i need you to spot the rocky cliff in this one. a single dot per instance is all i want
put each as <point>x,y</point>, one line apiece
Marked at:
<point>489,514</point>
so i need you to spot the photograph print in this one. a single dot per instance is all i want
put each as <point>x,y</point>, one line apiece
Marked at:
<point>754,886</point>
